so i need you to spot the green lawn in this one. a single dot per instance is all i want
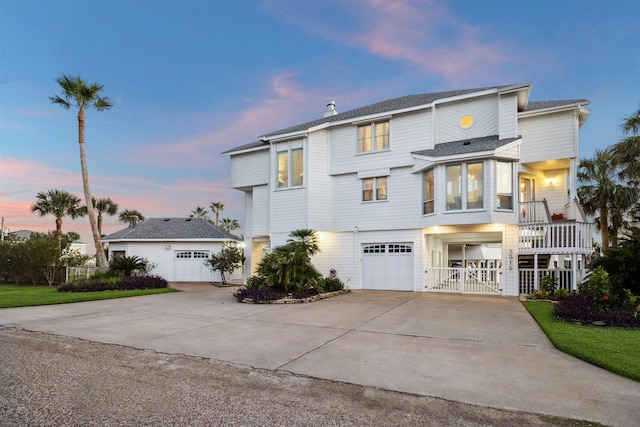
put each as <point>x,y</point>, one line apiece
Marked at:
<point>22,296</point>
<point>614,349</point>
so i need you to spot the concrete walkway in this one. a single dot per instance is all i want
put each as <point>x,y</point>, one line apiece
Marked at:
<point>485,351</point>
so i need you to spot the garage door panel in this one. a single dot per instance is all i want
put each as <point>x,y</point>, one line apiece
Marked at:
<point>387,266</point>
<point>188,266</point>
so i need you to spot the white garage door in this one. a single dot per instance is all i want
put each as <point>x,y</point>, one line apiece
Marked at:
<point>387,266</point>
<point>188,266</point>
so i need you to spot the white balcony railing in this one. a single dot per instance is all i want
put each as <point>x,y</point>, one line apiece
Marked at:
<point>555,238</point>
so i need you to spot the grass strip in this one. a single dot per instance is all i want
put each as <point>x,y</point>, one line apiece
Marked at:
<point>614,349</point>
<point>23,296</point>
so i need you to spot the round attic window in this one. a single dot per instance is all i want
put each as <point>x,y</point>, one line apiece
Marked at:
<point>466,121</point>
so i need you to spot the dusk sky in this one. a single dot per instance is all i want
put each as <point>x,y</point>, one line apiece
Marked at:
<point>190,79</point>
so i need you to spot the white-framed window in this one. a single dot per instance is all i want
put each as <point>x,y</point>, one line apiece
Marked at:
<point>374,189</point>
<point>428,203</point>
<point>504,185</point>
<point>465,194</point>
<point>290,168</point>
<point>373,137</point>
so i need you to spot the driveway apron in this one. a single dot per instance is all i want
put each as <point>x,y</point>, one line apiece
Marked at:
<point>485,351</point>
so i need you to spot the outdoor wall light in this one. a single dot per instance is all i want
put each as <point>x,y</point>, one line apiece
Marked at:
<point>168,246</point>
<point>355,229</point>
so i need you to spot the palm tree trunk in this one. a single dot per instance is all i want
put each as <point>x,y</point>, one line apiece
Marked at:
<point>101,258</point>
<point>604,226</point>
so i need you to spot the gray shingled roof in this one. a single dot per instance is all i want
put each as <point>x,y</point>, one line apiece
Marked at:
<point>171,228</point>
<point>395,104</point>
<point>465,146</point>
<point>388,105</point>
<point>539,105</point>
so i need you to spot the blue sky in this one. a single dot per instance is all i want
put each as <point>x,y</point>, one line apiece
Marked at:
<point>191,79</point>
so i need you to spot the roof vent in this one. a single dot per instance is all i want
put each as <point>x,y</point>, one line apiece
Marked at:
<point>133,221</point>
<point>466,143</point>
<point>331,109</point>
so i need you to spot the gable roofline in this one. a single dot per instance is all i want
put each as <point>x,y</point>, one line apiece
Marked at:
<point>387,107</point>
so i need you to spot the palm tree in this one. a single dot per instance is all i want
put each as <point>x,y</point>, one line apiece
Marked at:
<point>75,91</point>
<point>306,239</point>
<point>216,208</point>
<point>228,224</point>
<point>58,203</point>
<point>199,212</point>
<point>103,206</point>
<point>604,194</point>
<point>125,216</point>
<point>631,123</point>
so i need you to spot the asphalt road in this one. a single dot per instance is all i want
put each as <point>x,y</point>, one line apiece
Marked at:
<point>51,380</point>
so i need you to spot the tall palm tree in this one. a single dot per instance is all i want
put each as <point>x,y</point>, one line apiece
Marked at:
<point>199,212</point>
<point>604,194</point>
<point>216,208</point>
<point>125,216</point>
<point>76,92</point>
<point>631,123</point>
<point>104,206</point>
<point>58,203</point>
<point>228,224</point>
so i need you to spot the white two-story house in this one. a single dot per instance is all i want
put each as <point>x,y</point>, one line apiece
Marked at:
<point>470,191</point>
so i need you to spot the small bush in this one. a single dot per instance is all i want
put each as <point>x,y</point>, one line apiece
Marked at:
<point>257,282</point>
<point>549,284</point>
<point>109,283</point>
<point>256,294</point>
<point>561,294</point>
<point>332,284</point>
<point>576,308</point>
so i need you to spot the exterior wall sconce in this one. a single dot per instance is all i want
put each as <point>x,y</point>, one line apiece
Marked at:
<point>168,246</point>
<point>355,229</point>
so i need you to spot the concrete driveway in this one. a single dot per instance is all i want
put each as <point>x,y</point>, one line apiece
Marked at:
<point>485,351</point>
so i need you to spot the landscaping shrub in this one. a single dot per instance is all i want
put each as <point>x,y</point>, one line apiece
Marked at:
<point>256,294</point>
<point>622,263</point>
<point>289,269</point>
<point>576,308</point>
<point>332,284</point>
<point>256,282</point>
<point>111,283</point>
<point>596,301</point>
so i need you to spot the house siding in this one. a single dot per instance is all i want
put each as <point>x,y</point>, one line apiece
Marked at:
<point>250,169</point>
<point>321,205</point>
<point>508,120</point>
<point>484,111</point>
<point>549,136</point>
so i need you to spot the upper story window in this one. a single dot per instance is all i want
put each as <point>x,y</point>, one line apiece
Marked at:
<point>374,189</point>
<point>373,137</point>
<point>290,168</point>
<point>428,204</point>
<point>467,192</point>
<point>504,185</point>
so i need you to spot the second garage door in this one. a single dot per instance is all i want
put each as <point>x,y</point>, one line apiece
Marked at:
<point>387,266</point>
<point>188,266</point>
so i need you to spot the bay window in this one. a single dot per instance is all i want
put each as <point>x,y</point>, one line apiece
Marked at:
<point>465,193</point>
<point>504,185</point>
<point>428,206</point>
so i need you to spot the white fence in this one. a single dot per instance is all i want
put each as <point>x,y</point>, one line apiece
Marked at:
<point>76,273</point>
<point>464,280</point>
<point>529,284</point>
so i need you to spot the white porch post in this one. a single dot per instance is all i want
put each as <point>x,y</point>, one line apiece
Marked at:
<point>574,272</point>
<point>536,278</point>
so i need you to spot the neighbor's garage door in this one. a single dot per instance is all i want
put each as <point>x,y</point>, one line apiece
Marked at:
<point>387,266</point>
<point>188,266</point>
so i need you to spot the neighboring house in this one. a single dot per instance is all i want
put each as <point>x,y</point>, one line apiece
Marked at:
<point>451,191</point>
<point>175,247</point>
